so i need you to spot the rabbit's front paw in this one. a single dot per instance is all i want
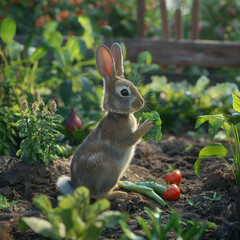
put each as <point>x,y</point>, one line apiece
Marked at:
<point>147,126</point>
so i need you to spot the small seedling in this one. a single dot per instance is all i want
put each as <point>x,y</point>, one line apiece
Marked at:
<point>193,203</point>
<point>188,147</point>
<point>214,197</point>
<point>5,205</point>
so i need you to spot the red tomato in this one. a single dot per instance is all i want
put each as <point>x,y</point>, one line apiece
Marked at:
<point>174,177</point>
<point>172,193</point>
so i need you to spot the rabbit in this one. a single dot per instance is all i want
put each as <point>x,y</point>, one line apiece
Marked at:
<point>103,157</point>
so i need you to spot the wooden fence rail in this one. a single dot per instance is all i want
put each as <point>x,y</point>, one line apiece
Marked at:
<point>180,52</point>
<point>185,53</point>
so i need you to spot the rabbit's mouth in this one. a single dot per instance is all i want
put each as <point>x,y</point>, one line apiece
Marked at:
<point>137,104</point>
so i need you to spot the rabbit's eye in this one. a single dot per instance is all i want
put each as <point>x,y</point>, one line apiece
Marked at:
<point>124,92</point>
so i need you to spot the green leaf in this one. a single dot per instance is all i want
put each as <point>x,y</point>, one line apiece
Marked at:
<point>236,100</point>
<point>62,56</point>
<point>73,48</point>
<point>50,27</point>
<point>39,53</point>
<point>67,202</point>
<point>14,49</point>
<point>8,30</point>
<point>155,133</point>
<point>202,83</point>
<point>99,206</point>
<point>111,218</point>
<point>82,195</point>
<point>128,232</point>
<point>87,36</point>
<point>145,57</point>
<point>54,39</point>
<point>144,224</point>
<point>234,118</point>
<point>39,226</point>
<point>212,150</point>
<point>42,203</point>
<point>3,202</point>
<point>215,122</point>
<point>14,202</point>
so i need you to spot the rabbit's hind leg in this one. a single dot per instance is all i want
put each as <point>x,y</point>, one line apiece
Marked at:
<point>116,194</point>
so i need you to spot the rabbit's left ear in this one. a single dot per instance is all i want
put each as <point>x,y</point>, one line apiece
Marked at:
<point>105,63</point>
<point>118,59</point>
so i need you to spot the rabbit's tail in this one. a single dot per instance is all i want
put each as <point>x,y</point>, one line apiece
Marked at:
<point>64,185</point>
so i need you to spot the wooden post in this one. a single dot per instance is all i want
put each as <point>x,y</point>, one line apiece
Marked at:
<point>178,25</point>
<point>164,17</point>
<point>195,20</point>
<point>140,26</point>
<point>178,32</point>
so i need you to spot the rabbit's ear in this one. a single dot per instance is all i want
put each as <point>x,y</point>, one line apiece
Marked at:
<point>105,62</point>
<point>118,58</point>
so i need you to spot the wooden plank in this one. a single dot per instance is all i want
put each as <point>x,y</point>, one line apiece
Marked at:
<point>185,53</point>
<point>140,23</point>
<point>181,53</point>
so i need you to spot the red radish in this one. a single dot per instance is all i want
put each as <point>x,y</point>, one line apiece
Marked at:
<point>172,193</point>
<point>174,177</point>
<point>73,122</point>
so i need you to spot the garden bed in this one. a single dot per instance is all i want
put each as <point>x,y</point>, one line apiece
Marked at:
<point>23,181</point>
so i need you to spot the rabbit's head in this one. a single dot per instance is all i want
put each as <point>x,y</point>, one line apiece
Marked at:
<point>120,95</point>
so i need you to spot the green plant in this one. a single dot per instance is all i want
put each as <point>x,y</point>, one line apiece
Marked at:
<point>155,133</point>
<point>182,102</point>
<point>229,123</point>
<point>214,197</point>
<point>4,204</point>
<point>7,141</point>
<point>73,218</point>
<point>39,129</point>
<point>193,203</point>
<point>160,231</point>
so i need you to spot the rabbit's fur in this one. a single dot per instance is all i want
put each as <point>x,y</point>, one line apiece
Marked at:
<point>105,154</point>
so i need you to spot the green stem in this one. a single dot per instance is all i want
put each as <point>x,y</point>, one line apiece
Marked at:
<point>234,175</point>
<point>229,141</point>
<point>237,165</point>
<point>32,77</point>
<point>4,59</point>
<point>236,142</point>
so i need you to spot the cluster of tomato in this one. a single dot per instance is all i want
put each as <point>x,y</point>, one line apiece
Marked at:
<point>173,180</point>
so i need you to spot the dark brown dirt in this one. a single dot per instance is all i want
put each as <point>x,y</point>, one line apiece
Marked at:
<point>19,180</point>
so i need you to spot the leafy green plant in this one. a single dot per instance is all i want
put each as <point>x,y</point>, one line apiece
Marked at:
<point>229,123</point>
<point>4,203</point>
<point>73,218</point>
<point>39,129</point>
<point>155,133</point>
<point>7,132</point>
<point>182,102</point>
<point>214,197</point>
<point>160,231</point>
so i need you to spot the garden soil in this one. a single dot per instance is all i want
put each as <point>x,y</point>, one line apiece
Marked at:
<point>19,180</point>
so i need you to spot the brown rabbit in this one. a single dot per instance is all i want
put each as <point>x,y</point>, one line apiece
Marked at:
<point>102,158</point>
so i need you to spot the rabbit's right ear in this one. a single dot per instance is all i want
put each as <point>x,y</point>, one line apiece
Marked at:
<point>105,62</point>
<point>118,59</point>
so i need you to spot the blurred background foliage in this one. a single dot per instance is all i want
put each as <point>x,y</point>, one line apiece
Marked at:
<point>63,68</point>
